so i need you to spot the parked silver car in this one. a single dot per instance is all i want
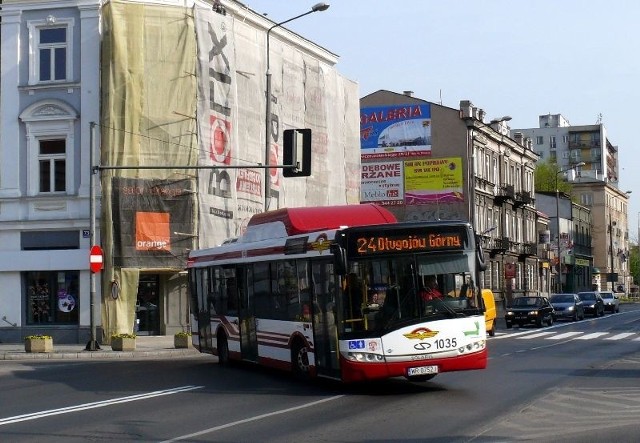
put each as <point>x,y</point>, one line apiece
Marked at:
<point>567,306</point>
<point>611,301</point>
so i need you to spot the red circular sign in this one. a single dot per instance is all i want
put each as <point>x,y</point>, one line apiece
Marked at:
<point>95,259</point>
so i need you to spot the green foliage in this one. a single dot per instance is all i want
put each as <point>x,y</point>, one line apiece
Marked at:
<point>634,264</point>
<point>38,337</point>
<point>545,178</point>
<point>114,336</point>
<point>183,334</point>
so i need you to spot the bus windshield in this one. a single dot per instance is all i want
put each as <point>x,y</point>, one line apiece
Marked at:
<point>384,293</point>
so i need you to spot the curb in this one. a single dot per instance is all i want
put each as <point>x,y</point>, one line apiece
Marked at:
<point>98,355</point>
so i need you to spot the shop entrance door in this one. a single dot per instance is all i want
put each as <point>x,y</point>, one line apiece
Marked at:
<point>147,305</point>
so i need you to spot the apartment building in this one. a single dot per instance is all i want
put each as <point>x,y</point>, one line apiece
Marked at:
<point>587,150</point>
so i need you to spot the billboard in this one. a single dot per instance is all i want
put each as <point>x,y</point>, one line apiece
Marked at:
<point>395,131</point>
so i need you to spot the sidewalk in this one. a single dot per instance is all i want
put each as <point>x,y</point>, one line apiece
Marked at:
<point>146,347</point>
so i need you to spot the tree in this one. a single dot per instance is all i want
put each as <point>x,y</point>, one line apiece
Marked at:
<point>634,263</point>
<point>546,174</point>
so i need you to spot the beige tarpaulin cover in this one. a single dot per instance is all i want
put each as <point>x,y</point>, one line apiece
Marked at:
<point>148,119</point>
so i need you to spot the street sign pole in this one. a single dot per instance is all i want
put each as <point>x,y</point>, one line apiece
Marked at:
<point>93,343</point>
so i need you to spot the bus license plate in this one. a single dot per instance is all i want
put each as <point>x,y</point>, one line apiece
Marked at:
<point>422,370</point>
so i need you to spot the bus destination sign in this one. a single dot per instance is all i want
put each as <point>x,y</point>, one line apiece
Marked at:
<point>409,242</point>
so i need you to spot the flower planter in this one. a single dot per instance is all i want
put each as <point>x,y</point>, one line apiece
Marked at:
<point>123,344</point>
<point>38,344</point>
<point>181,341</point>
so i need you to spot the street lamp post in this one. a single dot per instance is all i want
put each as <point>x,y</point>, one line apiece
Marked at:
<point>558,223</point>
<point>267,119</point>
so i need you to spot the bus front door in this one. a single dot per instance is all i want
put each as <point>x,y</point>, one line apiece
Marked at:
<point>324,315</point>
<point>248,334</point>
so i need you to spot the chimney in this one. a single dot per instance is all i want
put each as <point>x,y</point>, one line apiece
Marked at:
<point>517,136</point>
<point>481,115</point>
<point>466,108</point>
<point>408,93</point>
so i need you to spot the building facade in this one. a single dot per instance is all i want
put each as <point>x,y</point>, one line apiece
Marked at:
<point>596,187</point>
<point>131,95</point>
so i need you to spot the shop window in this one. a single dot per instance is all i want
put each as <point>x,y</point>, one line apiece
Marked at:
<point>52,297</point>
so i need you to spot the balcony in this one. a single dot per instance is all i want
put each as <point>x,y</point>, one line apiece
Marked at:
<point>528,250</point>
<point>523,198</point>
<point>505,192</point>
<point>499,246</point>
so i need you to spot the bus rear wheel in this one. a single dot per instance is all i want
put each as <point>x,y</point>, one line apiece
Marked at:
<point>223,350</point>
<point>300,360</point>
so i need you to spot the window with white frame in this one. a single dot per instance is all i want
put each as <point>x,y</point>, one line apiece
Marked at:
<point>52,166</point>
<point>552,142</point>
<point>50,126</point>
<point>50,50</point>
<point>539,140</point>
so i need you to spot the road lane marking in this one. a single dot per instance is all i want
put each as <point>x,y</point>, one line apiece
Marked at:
<point>94,405</point>
<point>539,334</point>
<point>250,419</point>
<point>592,335</point>
<point>565,335</point>
<point>620,336</point>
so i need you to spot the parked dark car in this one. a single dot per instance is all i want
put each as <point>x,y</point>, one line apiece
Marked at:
<point>611,301</point>
<point>568,306</point>
<point>526,310</point>
<point>592,303</point>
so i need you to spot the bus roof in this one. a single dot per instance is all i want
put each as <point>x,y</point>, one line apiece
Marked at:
<point>318,218</point>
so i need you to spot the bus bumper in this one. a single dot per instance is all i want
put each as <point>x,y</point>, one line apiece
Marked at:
<point>353,371</point>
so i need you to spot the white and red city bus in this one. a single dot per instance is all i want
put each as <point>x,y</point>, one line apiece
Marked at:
<point>339,292</point>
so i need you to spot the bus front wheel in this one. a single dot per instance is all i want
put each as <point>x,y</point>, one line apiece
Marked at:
<point>300,360</point>
<point>223,350</point>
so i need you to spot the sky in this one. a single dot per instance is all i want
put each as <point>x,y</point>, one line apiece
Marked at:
<point>522,58</point>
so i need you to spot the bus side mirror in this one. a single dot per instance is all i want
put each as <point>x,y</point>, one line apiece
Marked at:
<point>339,258</point>
<point>482,264</point>
<point>296,151</point>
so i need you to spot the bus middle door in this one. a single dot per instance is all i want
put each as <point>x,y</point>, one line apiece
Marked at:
<point>247,317</point>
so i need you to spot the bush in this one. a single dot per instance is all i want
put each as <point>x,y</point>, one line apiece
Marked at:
<point>183,334</point>
<point>38,337</point>
<point>123,336</point>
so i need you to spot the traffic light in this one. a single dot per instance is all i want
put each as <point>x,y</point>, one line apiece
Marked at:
<point>297,152</point>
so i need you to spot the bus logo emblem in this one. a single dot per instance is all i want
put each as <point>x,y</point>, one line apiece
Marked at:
<point>421,334</point>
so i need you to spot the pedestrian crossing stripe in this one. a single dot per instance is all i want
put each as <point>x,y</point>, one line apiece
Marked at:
<point>574,335</point>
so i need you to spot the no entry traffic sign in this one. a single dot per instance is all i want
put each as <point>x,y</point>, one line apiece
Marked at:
<point>95,259</point>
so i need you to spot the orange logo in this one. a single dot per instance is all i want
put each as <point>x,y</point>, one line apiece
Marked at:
<point>153,231</point>
<point>421,334</point>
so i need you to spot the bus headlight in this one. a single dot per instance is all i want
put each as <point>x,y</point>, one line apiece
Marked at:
<point>365,357</point>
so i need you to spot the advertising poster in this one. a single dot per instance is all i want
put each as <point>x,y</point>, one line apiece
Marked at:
<point>382,183</point>
<point>433,181</point>
<point>153,221</point>
<point>395,131</point>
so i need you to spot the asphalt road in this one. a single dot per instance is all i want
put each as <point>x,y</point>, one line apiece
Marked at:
<point>573,382</point>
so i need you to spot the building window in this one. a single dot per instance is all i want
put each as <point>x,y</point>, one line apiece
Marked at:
<point>552,141</point>
<point>50,126</point>
<point>586,199</point>
<point>52,297</point>
<point>51,50</point>
<point>52,166</point>
<point>539,140</point>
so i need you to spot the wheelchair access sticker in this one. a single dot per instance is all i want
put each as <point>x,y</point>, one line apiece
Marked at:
<point>356,344</point>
